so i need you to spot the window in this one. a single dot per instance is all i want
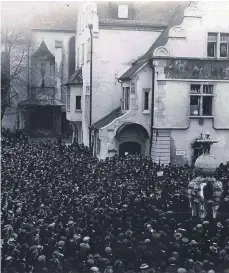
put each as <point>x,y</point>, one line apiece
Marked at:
<point>201,98</point>
<point>78,57</point>
<point>82,53</point>
<point>218,45</point>
<point>71,56</point>
<point>146,100</point>
<point>212,40</point>
<point>126,98</point>
<point>78,102</point>
<point>224,40</point>
<point>88,90</point>
<point>123,11</point>
<point>89,49</point>
<point>98,145</point>
<point>68,99</point>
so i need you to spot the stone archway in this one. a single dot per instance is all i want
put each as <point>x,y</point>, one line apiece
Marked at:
<point>131,138</point>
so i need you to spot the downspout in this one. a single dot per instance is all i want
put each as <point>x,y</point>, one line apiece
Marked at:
<point>152,109</point>
<point>90,117</point>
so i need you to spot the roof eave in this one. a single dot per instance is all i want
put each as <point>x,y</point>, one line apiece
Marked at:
<point>54,30</point>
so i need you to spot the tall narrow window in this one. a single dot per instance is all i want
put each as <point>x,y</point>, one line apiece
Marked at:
<point>68,99</point>
<point>89,49</point>
<point>224,41</point>
<point>71,56</point>
<point>146,100</point>
<point>78,102</point>
<point>127,98</point>
<point>82,53</point>
<point>212,41</point>
<point>78,57</point>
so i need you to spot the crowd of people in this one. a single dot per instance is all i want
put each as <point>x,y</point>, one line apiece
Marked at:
<point>63,210</point>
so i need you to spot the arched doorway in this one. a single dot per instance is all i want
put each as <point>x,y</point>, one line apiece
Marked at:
<point>130,148</point>
<point>132,138</point>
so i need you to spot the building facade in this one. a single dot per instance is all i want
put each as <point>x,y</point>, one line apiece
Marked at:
<point>52,62</point>
<point>121,33</point>
<point>44,51</point>
<point>189,69</point>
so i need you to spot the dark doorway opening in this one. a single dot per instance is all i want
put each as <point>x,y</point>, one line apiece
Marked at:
<point>197,150</point>
<point>130,148</point>
<point>41,121</point>
<point>66,127</point>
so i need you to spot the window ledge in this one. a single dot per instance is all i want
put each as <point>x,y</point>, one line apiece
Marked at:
<point>68,110</point>
<point>201,117</point>
<point>146,112</point>
<point>78,110</point>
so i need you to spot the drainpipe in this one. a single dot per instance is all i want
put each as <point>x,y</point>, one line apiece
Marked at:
<point>90,26</point>
<point>28,71</point>
<point>152,109</point>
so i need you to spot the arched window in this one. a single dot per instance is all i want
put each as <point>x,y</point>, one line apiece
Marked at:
<point>71,56</point>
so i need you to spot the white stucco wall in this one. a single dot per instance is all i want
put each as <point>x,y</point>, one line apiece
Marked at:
<point>172,100</point>
<point>73,114</point>
<point>114,51</point>
<point>183,139</point>
<point>214,19</point>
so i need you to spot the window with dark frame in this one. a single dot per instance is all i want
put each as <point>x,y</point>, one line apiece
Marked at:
<point>224,41</point>
<point>218,45</point>
<point>78,102</point>
<point>78,57</point>
<point>146,100</point>
<point>126,98</point>
<point>212,44</point>
<point>201,100</point>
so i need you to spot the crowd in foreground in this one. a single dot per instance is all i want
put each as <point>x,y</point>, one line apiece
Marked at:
<point>65,211</point>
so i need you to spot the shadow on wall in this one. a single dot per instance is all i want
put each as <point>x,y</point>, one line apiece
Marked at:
<point>179,160</point>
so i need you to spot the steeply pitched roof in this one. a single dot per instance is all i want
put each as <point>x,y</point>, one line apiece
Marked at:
<point>40,102</point>
<point>76,78</point>
<point>107,119</point>
<point>43,51</point>
<point>154,13</point>
<point>176,19</point>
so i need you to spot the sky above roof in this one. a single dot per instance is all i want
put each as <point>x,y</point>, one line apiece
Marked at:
<point>27,14</point>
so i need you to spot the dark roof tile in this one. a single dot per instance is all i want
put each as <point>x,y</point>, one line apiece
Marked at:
<point>107,119</point>
<point>43,51</point>
<point>76,78</point>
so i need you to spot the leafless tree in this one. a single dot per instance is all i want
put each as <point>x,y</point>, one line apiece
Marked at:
<point>16,48</point>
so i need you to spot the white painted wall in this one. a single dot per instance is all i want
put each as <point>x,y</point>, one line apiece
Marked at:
<point>114,51</point>
<point>214,19</point>
<point>172,96</point>
<point>73,114</point>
